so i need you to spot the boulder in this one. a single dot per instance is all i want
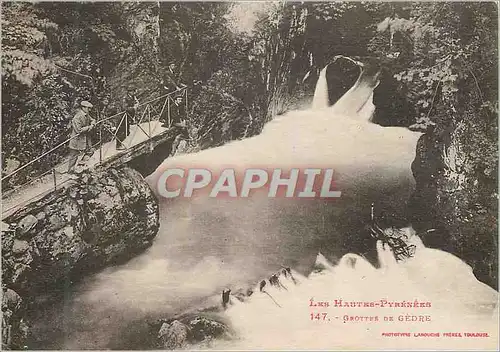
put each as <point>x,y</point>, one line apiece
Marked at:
<point>102,218</point>
<point>173,335</point>
<point>203,328</point>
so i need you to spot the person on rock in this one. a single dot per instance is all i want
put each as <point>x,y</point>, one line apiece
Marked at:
<point>81,126</point>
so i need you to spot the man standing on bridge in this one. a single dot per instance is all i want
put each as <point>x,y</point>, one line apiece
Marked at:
<point>81,125</point>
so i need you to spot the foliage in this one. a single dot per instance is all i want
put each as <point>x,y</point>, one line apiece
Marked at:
<point>436,50</point>
<point>219,115</point>
<point>228,96</point>
<point>193,36</point>
<point>23,40</point>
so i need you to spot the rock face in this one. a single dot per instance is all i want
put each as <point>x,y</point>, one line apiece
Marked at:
<point>139,65</point>
<point>98,220</point>
<point>457,194</point>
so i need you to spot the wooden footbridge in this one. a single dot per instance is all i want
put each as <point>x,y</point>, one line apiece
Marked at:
<point>153,125</point>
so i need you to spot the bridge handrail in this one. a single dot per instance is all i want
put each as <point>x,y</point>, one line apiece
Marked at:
<point>97,123</point>
<point>38,194</point>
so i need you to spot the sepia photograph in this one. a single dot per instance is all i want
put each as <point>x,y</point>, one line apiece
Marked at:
<point>249,175</point>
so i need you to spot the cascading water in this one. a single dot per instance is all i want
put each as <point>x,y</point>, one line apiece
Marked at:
<point>320,99</point>
<point>333,308</point>
<point>206,244</point>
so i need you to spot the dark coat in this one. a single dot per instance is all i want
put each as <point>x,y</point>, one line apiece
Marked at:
<point>82,140</point>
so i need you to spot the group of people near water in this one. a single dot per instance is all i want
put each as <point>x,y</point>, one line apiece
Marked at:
<point>82,124</point>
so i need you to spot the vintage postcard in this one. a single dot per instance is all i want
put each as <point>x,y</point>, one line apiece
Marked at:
<point>249,175</point>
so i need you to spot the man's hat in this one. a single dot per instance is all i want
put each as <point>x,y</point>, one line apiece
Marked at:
<point>86,104</point>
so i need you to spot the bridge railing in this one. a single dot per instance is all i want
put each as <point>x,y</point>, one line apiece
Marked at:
<point>152,110</point>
